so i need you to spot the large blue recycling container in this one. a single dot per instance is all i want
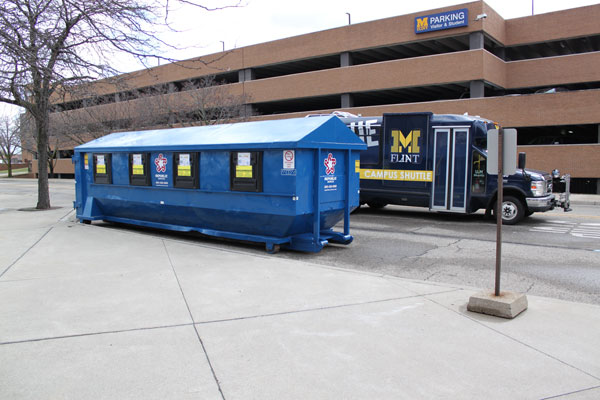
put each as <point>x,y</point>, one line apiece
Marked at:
<point>283,183</point>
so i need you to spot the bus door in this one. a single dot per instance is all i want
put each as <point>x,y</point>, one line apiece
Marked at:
<point>450,169</point>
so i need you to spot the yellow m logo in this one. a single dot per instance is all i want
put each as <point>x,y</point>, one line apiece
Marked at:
<point>422,24</point>
<point>410,141</point>
<point>477,158</point>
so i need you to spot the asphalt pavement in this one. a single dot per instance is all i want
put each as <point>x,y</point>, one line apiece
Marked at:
<point>97,311</point>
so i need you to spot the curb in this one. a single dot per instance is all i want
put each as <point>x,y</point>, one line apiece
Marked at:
<point>585,203</point>
<point>587,200</point>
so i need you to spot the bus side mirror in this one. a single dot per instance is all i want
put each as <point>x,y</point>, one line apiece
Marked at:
<point>522,160</point>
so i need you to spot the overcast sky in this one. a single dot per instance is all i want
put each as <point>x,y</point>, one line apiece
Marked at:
<point>259,21</point>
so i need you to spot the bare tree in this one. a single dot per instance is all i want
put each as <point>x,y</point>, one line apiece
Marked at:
<point>52,152</point>
<point>9,141</point>
<point>49,46</point>
<point>211,103</point>
<point>56,142</point>
<point>201,101</point>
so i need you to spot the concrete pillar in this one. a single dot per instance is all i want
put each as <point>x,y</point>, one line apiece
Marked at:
<point>347,100</point>
<point>476,40</point>
<point>477,89</point>
<point>249,110</point>
<point>345,59</point>
<point>246,75</point>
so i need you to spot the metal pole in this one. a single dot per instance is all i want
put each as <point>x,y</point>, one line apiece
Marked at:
<point>316,197</point>
<point>349,23</point>
<point>499,201</point>
<point>349,173</point>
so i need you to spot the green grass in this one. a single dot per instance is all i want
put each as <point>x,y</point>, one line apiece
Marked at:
<point>14,171</point>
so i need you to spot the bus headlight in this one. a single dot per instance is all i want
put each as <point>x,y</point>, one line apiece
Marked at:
<point>538,188</point>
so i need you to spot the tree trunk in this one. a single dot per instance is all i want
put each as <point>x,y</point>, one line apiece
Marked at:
<point>9,164</point>
<point>41,122</point>
<point>50,166</point>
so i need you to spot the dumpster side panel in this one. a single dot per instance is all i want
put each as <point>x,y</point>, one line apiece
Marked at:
<point>161,169</point>
<point>355,180</point>
<point>192,211</point>
<point>288,211</point>
<point>214,171</point>
<point>120,168</point>
<point>339,185</point>
<point>80,182</point>
<point>305,175</point>
<point>265,213</point>
<point>332,174</point>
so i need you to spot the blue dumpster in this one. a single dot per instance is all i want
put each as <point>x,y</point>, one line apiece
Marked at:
<point>285,183</point>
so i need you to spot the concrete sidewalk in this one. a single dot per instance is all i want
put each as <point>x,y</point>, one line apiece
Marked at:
<point>98,311</point>
<point>585,199</point>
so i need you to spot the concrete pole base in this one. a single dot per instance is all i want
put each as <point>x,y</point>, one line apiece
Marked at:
<point>507,305</point>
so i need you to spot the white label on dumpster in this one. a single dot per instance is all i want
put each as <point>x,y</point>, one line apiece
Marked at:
<point>243,159</point>
<point>137,168</point>
<point>330,183</point>
<point>99,160</point>
<point>289,159</point>
<point>184,160</point>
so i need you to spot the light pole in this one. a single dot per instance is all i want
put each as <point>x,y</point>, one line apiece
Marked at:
<point>348,14</point>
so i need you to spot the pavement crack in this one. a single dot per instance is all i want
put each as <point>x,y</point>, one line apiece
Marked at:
<point>212,370</point>
<point>36,242</point>
<point>25,252</point>
<point>78,335</point>
<point>456,242</point>
<point>426,252</point>
<point>572,393</point>
<point>178,282</point>
<point>325,308</point>
<point>64,218</point>
<point>530,287</point>
<point>521,342</point>
<point>431,275</point>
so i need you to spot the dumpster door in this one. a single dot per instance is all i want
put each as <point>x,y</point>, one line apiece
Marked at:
<point>449,189</point>
<point>246,171</point>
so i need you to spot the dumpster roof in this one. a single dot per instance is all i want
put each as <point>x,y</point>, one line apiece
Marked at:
<point>325,132</point>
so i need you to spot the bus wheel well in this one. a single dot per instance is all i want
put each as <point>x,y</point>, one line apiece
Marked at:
<point>513,209</point>
<point>514,193</point>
